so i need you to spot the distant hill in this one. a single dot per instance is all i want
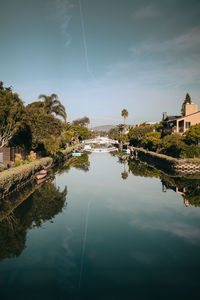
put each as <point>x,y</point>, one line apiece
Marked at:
<point>103,128</point>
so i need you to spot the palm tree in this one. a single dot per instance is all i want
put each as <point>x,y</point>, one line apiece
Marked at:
<point>124,114</point>
<point>125,173</point>
<point>53,105</point>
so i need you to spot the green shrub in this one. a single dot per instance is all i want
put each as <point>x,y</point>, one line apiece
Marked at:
<point>190,151</point>
<point>9,178</point>
<point>2,167</point>
<point>26,161</point>
<point>17,163</point>
<point>152,141</point>
<point>173,144</point>
<point>192,136</point>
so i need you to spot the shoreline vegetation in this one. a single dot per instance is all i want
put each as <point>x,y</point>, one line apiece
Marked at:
<point>14,178</point>
<point>40,128</point>
<point>12,200</point>
<point>167,163</point>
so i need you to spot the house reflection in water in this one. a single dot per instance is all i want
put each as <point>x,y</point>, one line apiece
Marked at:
<point>188,188</point>
<point>190,192</point>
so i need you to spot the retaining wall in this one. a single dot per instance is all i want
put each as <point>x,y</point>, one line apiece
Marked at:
<point>167,163</point>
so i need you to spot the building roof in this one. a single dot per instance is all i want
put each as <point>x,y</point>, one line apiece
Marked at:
<point>174,118</point>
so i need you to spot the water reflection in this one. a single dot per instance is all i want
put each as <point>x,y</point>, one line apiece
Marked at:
<point>41,206</point>
<point>79,162</point>
<point>116,239</point>
<point>32,206</point>
<point>187,187</point>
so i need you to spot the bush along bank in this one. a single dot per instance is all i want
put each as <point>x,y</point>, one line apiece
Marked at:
<point>14,177</point>
<point>167,163</point>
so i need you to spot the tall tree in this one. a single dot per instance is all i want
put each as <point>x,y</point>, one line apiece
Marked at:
<point>124,114</point>
<point>82,121</point>
<point>53,105</point>
<point>11,114</point>
<point>187,100</point>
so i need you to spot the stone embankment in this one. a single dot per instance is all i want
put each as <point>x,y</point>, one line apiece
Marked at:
<point>15,178</point>
<point>167,163</point>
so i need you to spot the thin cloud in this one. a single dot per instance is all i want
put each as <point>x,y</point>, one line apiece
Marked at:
<point>148,11</point>
<point>172,63</point>
<point>187,40</point>
<point>64,15</point>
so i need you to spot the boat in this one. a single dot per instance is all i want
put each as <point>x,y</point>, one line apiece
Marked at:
<point>41,180</point>
<point>40,176</point>
<point>43,172</point>
<point>76,153</point>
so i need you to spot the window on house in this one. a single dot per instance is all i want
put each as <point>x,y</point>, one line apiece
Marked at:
<point>187,124</point>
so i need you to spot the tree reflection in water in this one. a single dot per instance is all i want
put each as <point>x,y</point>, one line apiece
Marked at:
<point>31,207</point>
<point>41,206</point>
<point>187,187</point>
<point>79,162</point>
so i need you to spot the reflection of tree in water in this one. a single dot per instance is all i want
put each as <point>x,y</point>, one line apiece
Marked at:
<point>122,159</point>
<point>78,162</point>
<point>43,205</point>
<point>124,174</point>
<point>187,187</point>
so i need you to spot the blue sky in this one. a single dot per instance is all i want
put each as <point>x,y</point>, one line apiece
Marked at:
<point>100,56</point>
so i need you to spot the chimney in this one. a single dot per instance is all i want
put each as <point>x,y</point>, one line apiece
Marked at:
<point>164,116</point>
<point>191,108</point>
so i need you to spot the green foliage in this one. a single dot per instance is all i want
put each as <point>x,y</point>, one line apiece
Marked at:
<point>187,100</point>
<point>124,175</point>
<point>82,121</point>
<point>45,129</point>
<point>124,114</point>
<point>11,114</point>
<point>17,163</point>
<point>190,151</point>
<point>136,134</point>
<point>52,105</point>
<point>123,138</point>
<point>192,136</point>
<point>114,134</point>
<point>152,141</point>
<point>68,136</point>
<point>81,132</point>
<point>2,166</point>
<point>22,137</point>
<point>17,216</point>
<point>173,144</point>
<point>10,178</point>
<point>26,161</point>
<point>51,144</point>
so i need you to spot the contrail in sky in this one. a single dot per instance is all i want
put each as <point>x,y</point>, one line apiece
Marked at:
<point>85,42</point>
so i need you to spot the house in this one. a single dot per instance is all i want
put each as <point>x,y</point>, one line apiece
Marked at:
<point>7,155</point>
<point>180,124</point>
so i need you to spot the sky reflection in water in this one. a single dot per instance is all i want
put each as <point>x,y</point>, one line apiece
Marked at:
<point>108,238</point>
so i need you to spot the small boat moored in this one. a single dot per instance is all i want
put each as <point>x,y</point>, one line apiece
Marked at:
<point>76,154</point>
<point>41,174</point>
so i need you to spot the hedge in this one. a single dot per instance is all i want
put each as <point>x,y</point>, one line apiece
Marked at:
<point>12,177</point>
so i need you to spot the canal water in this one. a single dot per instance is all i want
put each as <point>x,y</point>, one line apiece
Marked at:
<point>103,228</point>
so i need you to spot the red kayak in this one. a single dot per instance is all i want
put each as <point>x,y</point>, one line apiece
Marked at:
<point>43,172</point>
<point>40,180</point>
<point>40,176</point>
